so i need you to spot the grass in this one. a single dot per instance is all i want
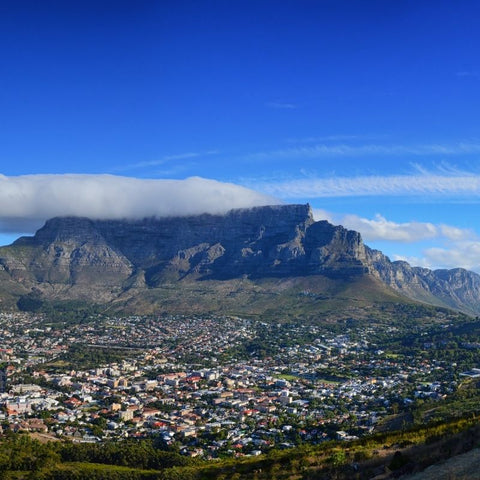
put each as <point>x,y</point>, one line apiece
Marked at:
<point>287,376</point>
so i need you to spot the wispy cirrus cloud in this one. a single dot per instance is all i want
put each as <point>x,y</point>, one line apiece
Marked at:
<point>371,149</point>
<point>164,160</point>
<point>281,105</point>
<point>374,185</point>
<point>467,73</point>
<point>336,138</point>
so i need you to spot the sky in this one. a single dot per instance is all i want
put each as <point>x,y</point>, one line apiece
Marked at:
<point>367,110</point>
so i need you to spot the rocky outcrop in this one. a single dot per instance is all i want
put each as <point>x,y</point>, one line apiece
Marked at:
<point>283,241</point>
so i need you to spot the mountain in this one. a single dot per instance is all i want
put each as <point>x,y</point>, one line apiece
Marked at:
<point>246,259</point>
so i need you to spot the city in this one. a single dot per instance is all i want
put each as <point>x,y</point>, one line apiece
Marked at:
<point>214,386</point>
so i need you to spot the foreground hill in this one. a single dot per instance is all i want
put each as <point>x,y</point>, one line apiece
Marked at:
<point>440,452</point>
<point>265,259</point>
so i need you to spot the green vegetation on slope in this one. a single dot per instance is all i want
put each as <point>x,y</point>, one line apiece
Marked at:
<point>401,451</point>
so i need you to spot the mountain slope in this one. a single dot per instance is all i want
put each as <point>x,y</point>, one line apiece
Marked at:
<point>228,260</point>
<point>457,288</point>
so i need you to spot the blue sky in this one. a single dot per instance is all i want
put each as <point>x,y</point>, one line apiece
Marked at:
<point>368,110</point>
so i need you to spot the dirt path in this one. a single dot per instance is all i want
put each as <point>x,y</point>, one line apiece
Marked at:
<point>44,437</point>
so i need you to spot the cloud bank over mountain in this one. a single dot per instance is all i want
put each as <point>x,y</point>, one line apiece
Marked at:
<point>27,201</point>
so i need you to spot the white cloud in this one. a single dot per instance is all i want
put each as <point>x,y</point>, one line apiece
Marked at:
<point>456,234</point>
<point>319,214</point>
<point>380,228</point>
<point>27,201</point>
<point>454,255</point>
<point>460,254</point>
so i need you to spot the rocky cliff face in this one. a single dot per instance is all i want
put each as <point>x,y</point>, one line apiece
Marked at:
<point>109,257</point>
<point>257,242</point>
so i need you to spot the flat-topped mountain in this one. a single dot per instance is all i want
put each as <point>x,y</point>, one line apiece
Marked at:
<point>129,260</point>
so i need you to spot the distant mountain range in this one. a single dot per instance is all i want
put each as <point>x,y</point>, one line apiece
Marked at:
<point>245,259</point>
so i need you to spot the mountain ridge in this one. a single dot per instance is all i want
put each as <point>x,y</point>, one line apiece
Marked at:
<point>105,260</point>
